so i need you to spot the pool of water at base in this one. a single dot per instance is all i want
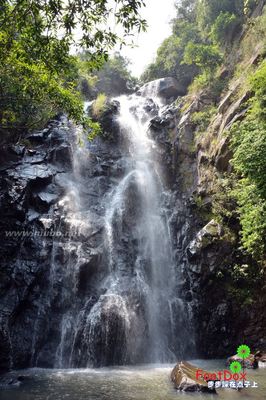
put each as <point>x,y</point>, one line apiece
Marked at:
<point>145,382</point>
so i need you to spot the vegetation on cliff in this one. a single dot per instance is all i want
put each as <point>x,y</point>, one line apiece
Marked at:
<point>248,140</point>
<point>206,34</point>
<point>39,76</point>
<point>217,50</point>
<point>202,36</point>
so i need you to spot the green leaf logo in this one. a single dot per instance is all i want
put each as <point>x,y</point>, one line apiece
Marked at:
<point>243,351</point>
<point>235,367</point>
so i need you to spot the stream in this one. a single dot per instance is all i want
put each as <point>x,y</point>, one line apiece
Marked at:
<point>145,382</point>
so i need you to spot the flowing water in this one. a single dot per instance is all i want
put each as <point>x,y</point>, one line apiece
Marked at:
<point>128,310</point>
<point>150,382</point>
<point>140,192</point>
<point>135,314</point>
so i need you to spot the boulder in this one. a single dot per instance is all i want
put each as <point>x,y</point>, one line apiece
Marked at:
<point>261,358</point>
<point>61,154</point>
<point>184,379</point>
<point>251,362</point>
<point>165,88</point>
<point>32,173</point>
<point>151,107</point>
<point>206,236</point>
<point>12,382</point>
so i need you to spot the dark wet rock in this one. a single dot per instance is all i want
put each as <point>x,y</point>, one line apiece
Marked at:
<point>33,173</point>
<point>150,107</point>
<point>27,193</point>
<point>38,137</point>
<point>222,160</point>
<point>230,111</point>
<point>45,199</point>
<point>62,155</point>
<point>184,379</point>
<point>17,150</point>
<point>32,215</point>
<point>170,87</point>
<point>88,268</point>
<point>44,277</point>
<point>5,349</point>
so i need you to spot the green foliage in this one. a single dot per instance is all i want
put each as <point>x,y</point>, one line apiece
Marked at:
<point>252,212</point>
<point>209,10</point>
<point>242,283</point>
<point>169,62</point>
<point>31,93</point>
<point>201,82</point>
<point>94,129</point>
<point>258,85</point>
<point>99,105</point>
<point>203,209</point>
<point>171,52</point>
<point>209,82</point>
<point>203,118</point>
<point>186,10</point>
<point>205,56</point>
<point>39,77</point>
<point>248,141</point>
<point>114,78</point>
<point>223,28</point>
<point>87,17</point>
<point>199,28</point>
<point>224,205</point>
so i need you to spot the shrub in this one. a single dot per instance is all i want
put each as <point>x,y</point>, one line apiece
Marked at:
<point>205,56</point>
<point>203,118</point>
<point>169,62</point>
<point>252,212</point>
<point>258,85</point>
<point>223,28</point>
<point>31,94</point>
<point>99,105</point>
<point>249,144</point>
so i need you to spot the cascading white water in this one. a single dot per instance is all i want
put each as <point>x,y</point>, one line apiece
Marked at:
<point>156,282</point>
<point>130,313</point>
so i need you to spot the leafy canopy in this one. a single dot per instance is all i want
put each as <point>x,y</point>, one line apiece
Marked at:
<point>114,77</point>
<point>83,23</point>
<point>39,76</point>
<point>199,28</point>
<point>204,56</point>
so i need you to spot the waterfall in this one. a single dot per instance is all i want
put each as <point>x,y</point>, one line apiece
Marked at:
<point>153,265</point>
<point>129,311</point>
